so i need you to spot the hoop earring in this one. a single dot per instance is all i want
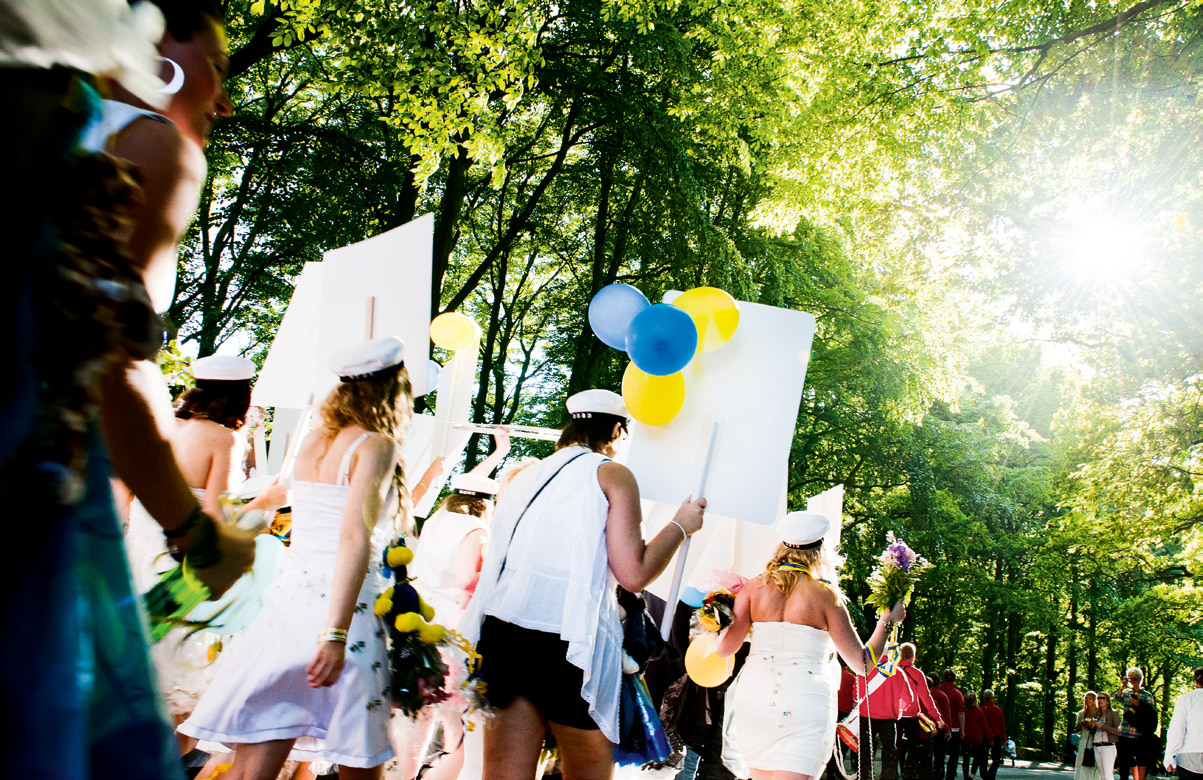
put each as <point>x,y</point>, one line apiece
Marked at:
<point>177,77</point>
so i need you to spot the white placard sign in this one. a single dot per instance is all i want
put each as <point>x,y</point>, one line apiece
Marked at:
<point>393,270</point>
<point>753,386</point>
<point>288,373</point>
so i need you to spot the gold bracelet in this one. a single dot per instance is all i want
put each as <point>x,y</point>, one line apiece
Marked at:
<point>332,635</point>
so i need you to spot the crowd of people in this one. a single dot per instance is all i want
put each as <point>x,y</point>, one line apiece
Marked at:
<point>530,569</point>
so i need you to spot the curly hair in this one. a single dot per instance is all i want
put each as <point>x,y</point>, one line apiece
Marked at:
<point>819,563</point>
<point>381,403</point>
<point>224,402</point>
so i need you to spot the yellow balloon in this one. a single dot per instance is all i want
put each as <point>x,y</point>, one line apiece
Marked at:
<point>714,312</point>
<point>703,665</point>
<point>452,330</point>
<point>652,400</point>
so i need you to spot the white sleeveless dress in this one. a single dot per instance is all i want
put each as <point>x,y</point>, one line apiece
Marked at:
<point>433,568</point>
<point>781,709</point>
<point>260,691</point>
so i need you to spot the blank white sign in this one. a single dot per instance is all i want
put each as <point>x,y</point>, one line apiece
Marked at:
<point>753,387</point>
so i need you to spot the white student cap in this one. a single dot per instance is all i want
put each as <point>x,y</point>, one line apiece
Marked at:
<point>368,357</point>
<point>590,402</point>
<point>803,530</point>
<point>474,485</point>
<point>223,368</point>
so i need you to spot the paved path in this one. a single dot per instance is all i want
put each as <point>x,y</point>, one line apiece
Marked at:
<point>1023,770</point>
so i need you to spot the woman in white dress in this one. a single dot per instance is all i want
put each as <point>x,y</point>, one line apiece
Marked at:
<point>781,709</point>
<point>1086,719</point>
<point>274,693</point>
<point>545,611</point>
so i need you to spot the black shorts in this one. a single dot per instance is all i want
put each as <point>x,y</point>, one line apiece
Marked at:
<point>1133,751</point>
<point>516,661</point>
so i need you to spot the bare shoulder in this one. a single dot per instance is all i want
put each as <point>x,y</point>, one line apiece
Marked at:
<point>611,474</point>
<point>380,448</point>
<point>160,151</point>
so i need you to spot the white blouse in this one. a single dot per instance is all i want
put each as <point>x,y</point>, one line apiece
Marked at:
<point>557,574</point>
<point>433,568</point>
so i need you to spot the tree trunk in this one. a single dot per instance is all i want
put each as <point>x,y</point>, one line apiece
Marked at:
<point>1050,694</point>
<point>446,226</point>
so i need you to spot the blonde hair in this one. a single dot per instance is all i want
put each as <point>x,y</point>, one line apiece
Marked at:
<point>820,564</point>
<point>382,403</point>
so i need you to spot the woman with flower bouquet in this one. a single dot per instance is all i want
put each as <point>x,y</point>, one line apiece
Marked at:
<point>310,677</point>
<point>781,708</point>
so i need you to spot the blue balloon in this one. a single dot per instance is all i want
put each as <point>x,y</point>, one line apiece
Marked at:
<point>692,597</point>
<point>434,375</point>
<point>612,310</point>
<point>663,340</point>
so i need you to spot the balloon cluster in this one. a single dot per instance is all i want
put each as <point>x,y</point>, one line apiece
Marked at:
<point>660,339</point>
<point>419,675</point>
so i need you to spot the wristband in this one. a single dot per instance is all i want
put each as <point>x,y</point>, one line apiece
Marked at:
<point>684,535</point>
<point>189,523</point>
<point>203,552</point>
<point>332,635</point>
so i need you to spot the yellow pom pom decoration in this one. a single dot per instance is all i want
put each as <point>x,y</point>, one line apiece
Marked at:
<point>426,610</point>
<point>400,556</point>
<point>410,621</point>
<point>431,633</point>
<point>384,605</point>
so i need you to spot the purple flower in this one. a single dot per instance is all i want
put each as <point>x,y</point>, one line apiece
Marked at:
<point>900,555</point>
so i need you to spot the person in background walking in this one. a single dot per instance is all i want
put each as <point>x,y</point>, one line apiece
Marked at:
<point>998,729</point>
<point>917,712</point>
<point>1106,727</point>
<point>1139,724</point>
<point>1184,737</point>
<point>974,738</point>
<point>956,723</point>
<point>1084,728</point>
<point>940,740</point>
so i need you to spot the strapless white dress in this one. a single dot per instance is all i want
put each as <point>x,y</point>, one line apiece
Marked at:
<point>260,691</point>
<point>781,710</point>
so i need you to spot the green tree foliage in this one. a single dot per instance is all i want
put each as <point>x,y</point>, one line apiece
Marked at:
<point>992,210</point>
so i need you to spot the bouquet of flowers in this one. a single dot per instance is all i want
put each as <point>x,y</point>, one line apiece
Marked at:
<point>717,610</point>
<point>419,675</point>
<point>898,569</point>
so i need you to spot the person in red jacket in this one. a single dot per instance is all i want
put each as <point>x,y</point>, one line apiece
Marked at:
<point>998,728</point>
<point>940,740</point>
<point>974,739</point>
<point>955,721</point>
<point>915,699</point>
<point>879,721</point>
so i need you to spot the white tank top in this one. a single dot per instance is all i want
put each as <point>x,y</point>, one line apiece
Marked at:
<point>557,573</point>
<point>114,117</point>
<point>433,568</point>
